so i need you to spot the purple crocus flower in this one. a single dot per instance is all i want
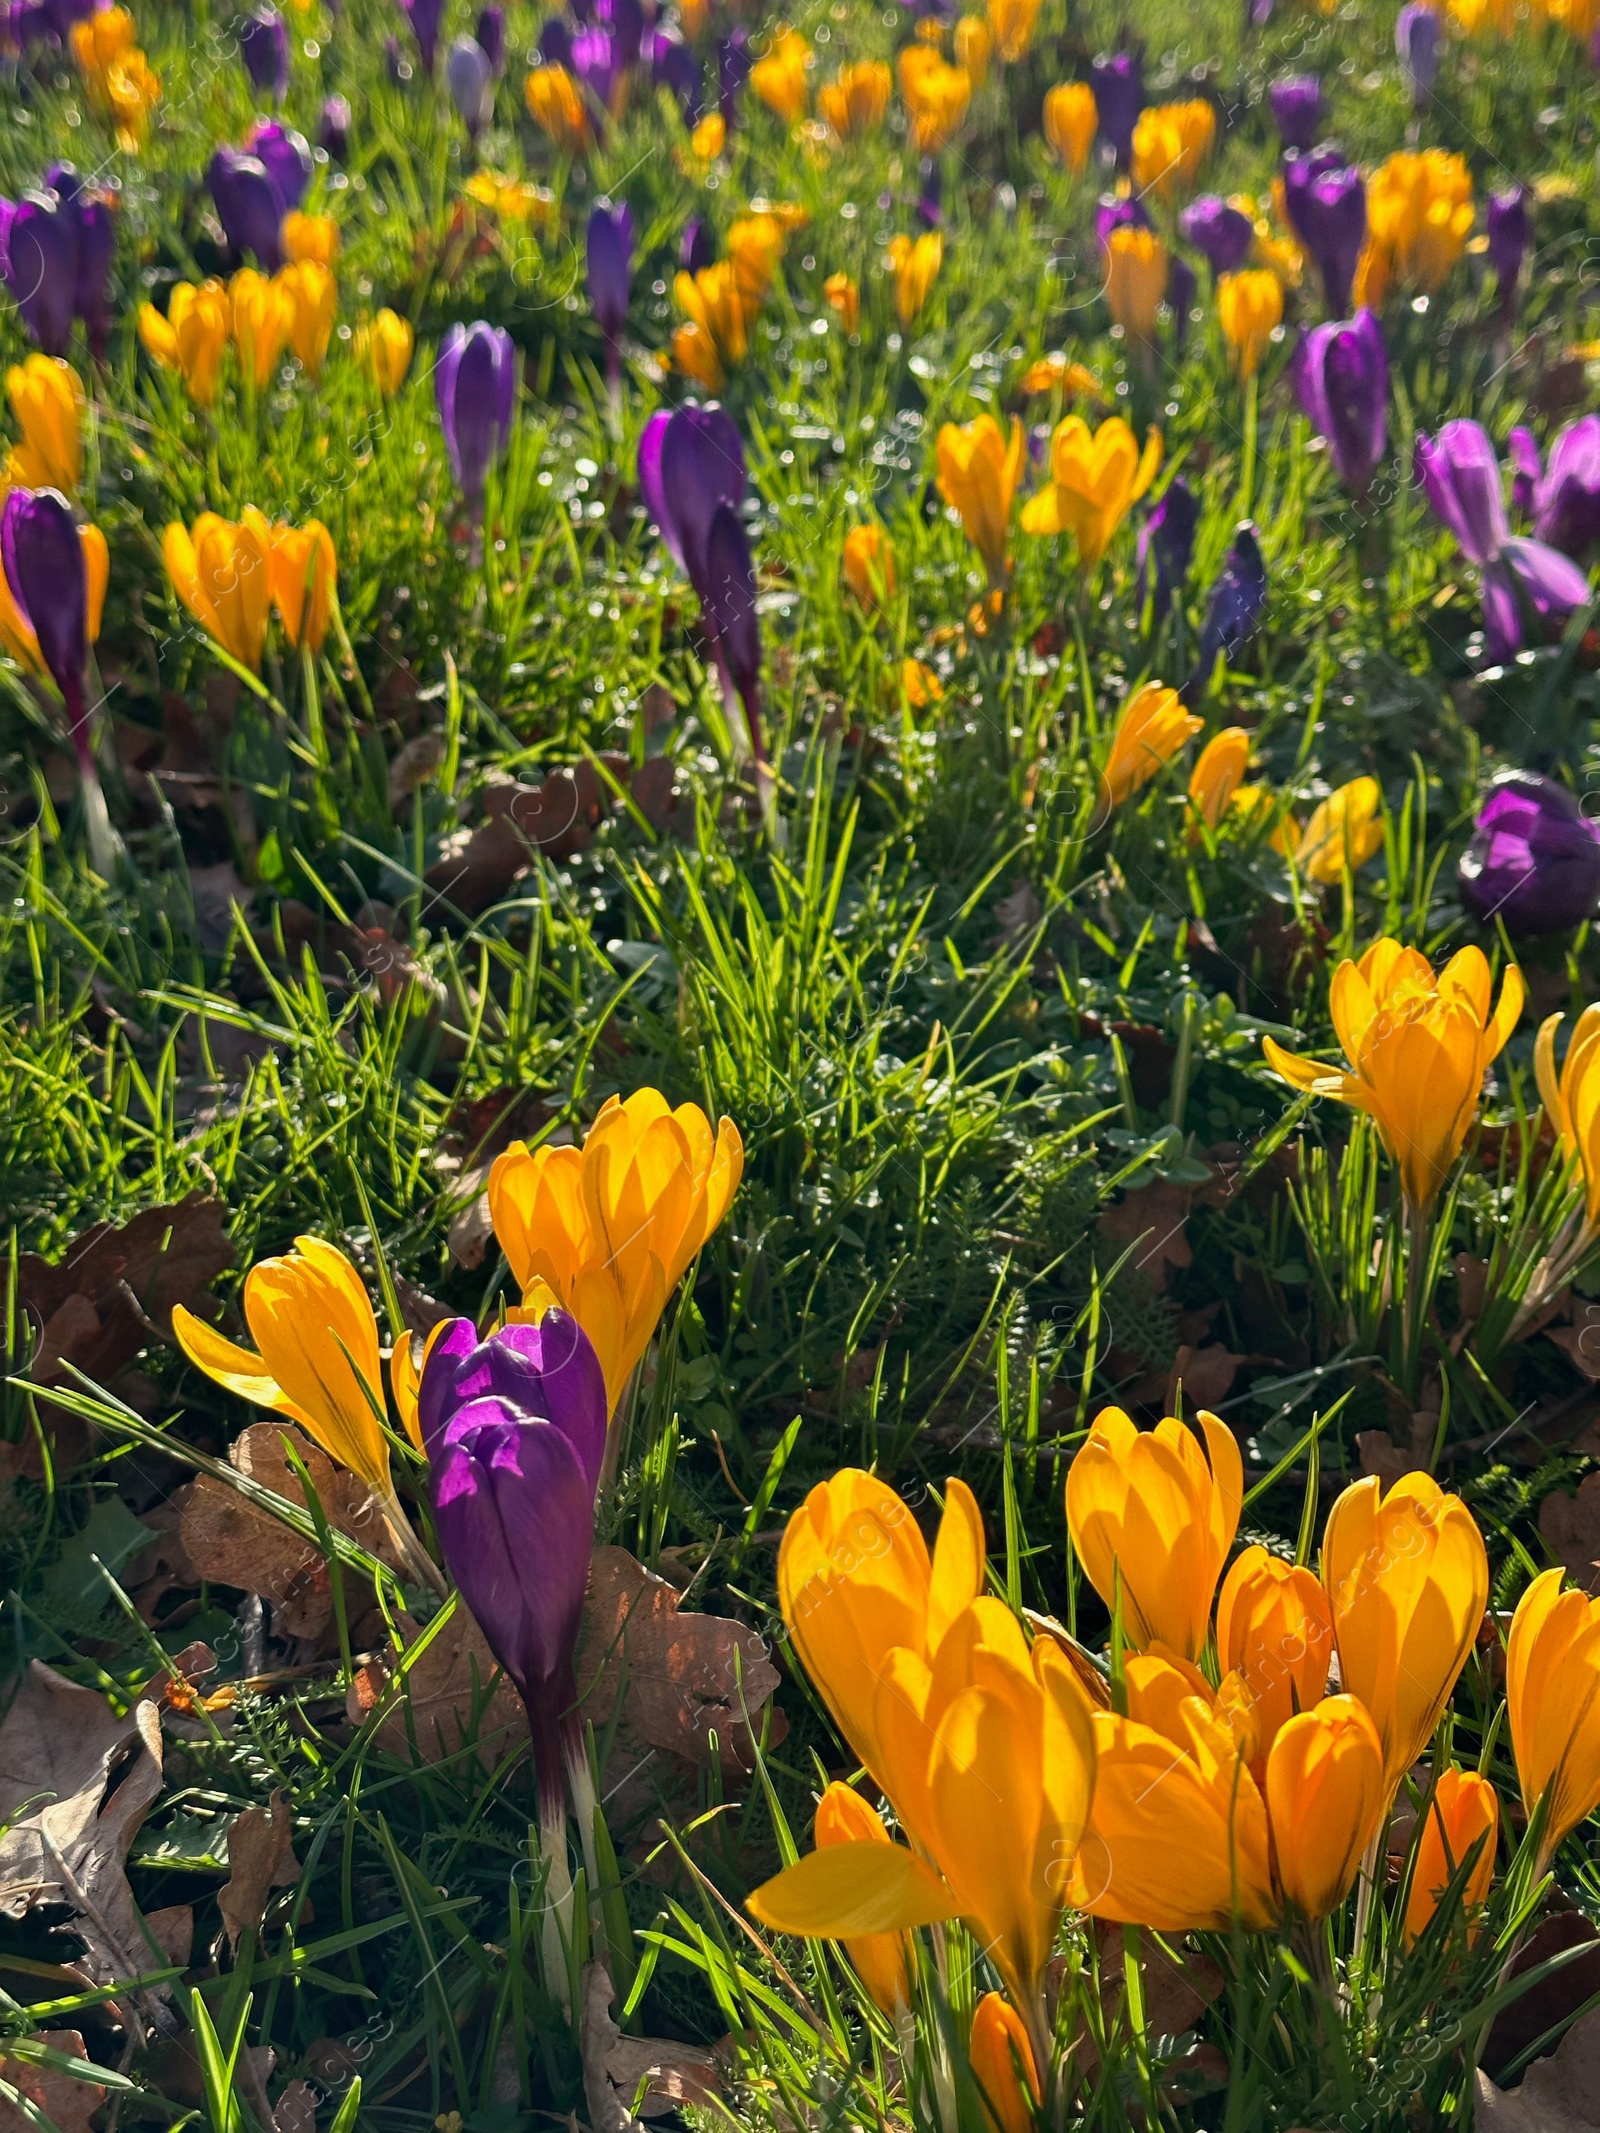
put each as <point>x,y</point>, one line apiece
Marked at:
<point>1167,539</point>
<point>1341,379</point>
<point>1534,858</point>
<point>515,1432</point>
<point>476,385</point>
<point>1416,40</point>
<point>249,206</point>
<point>1326,201</point>
<point>930,194</point>
<point>697,247</point>
<point>1233,607</point>
<point>333,132</point>
<point>287,157</point>
<point>264,48</point>
<point>1114,213</point>
<point>611,281</point>
<point>97,247</point>
<point>470,74</point>
<point>594,62</point>
<point>41,267</point>
<point>1118,83</point>
<point>1220,233</point>
<point>674,66</point>
<point>425,17</point>
<point>1509,228</point>
<point>1539,580</point>
<point>491,34</point>
<point>728,597</point>
<point>1566,500</point>
<point>555,43</point>
<point>690,462</point>
<point>733,71</point>
<point>1296,101</point>
<point>625,21</point>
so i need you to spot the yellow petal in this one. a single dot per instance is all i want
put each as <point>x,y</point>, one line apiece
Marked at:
<point>852,1889</point>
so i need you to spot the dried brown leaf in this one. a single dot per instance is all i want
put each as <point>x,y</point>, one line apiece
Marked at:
<point>451,1682</point>
<point>1571,1526</point>
<point>1204,1377</point>
<point>1581,1340</point>
<point>260,1859</point>
<point>1151,1220</point>
<point>1523,2021</point>
<point>67,2102</point>
<point>614,2066</point>
<point>1560,2094</point>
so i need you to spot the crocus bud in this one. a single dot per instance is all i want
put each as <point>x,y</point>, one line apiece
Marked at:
<point>424,16</point>
<point>491,35</point>
<point>1509,228</point>
<point>1534,858</point>
<point>1003,2062</point>
<point>41,268</point>
<point>690,463</point>
<point>471,78</point>
<point>44,567</point>
<point>333,133</point>
<point>1325,1795</point>
<point>625,21</point>
<point>249,206</point>
<point>674,66</point>
<point>1274,1635</point>
<point>594,62</point>
<point>1234,607</point>
<point>1118,84</point>
<point>1326,201</point>
<point>610,267</point>
<point>285,155</point>
<point>1416,40</point>
<point>515,1432</point>
<point>1553,1704</point>
<point>930,196</point>
<point>476,385</point>
<point>1296,102</point>
<point>1167,535</point>
<point>697,247</point>
<point>1463,1822</point>
<point>728,595</point>
<point>1112,213</point>
<point>264,48</point>
<point>555,43</point>
<point>97,245</point>
<point>1460,478</point>
<point>1566,500</point>
<point>1220,233</point>
<point>1341,379</point>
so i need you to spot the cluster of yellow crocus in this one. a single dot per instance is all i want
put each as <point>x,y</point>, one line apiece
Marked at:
<point>1150,730</point>
<point>17,634</point>
<point>1249,310</point>
<point>867,566</point>
<point>1218,793</point>
<point>608,1230</point>
<point>1170,142</point>
<point>974,48</point>
<point>1096,477</point>
<point>555,104</point>
<point>936,97</point>
<point>914,262</point>
<point>779,79</point>
<point>122,85</point>
<point>1136,265</point>
<point>47,398</point>
<point>1419,217</point>
<point>853,104</point>
<point>1071,119</point>
<point>230,574</point>
<point>722,302</point>
<point>294,309</point>
<point>1011,25</point>
<point>1418,1044</point>
<point>979,468</point>
<point>1345,830</point>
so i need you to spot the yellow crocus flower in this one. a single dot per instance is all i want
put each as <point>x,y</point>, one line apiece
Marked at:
<point>854,102</point>
<point>936,96</point>
<point>1345,830</point>
<point>719,314</point>
<point>1274,1640</point>
<point>974,48</point>
<point>122,85</point>
<point>1325,1798</point>
<point>1136,280</point>
<point>313,300</point>
<point>1001,2057</point>
<point>1419,217</point>
<point>303,572</point>
<point>1170,142</point>
<point>384,346</point>
<point>313,237</point>
<point>844,1817</point>
<point>555,104</point>
<point>192,338</point>
<point>1152,727</point>
<point>843,298</point>
<point>867,565</point>
<point>1217,776</point>
<point>1464,1811</point>
<point>1249,308</point>
<point>1419,1046</point>
<point>1011,26</point>
<point>1071,120</point>
<point>1553,1704</point>
<point>915,265</point>
<point>1096,477</point>
<point>220,570</point>
<point>979,468</point>
<point>779,79</point>
<point>262,312</point>
<point>1572,1102</point>
<point>47,398</point>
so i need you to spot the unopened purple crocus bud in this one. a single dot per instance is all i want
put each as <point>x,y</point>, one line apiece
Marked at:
<point>1534,858</point>
<point>471,79</point>
<point>594,62</point>
<point>930,194</point>
<point>44,568</point>
<point>97,246</point>
<point>610,261</point>
<point>1340,375</point>
<point>690,463</point>
<point>491,34</point>
<point>1297,107</point>
<point>1509,229</point>
<point>1522,448</point>
<point>1326,201</point>
<point>476,385</point>
<point>515,1432</point>
<point>733,71</point>
<point>41,267</point>
<point>625,21</point>
<point>333,131</point>
<point>1566,502</point>
<point>1233,607</point>
<point>555,43</point>
<point>697,248</point>
<point>1416,40</point>
<point>674,66</point>
<point>1460,479</point>
<point>1166,541</point>
<point>286,155</point>
<point>1118,83</point>
<point>249,206</point>
<point>1220,233</point>
<point>1537,581</point>
<point>264,48</point>
<point>425,16</point>
<point>728,596</point>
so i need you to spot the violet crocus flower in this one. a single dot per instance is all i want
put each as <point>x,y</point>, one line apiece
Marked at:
<point>1233,607</point>
<point>1118,83</point>
<point>1416,40</point>
<point>515,1432</point>
<point>674,66</point>
<point>286,155</point>
<point>1509,228</point>
<point>41,267</point>
<point>1566,498</point>
<point>249,206</point>
<point>1117,213</point>
<point>425,16</point>
<point>264,48</point>
<point>697,247</point>
<point>491,35</point>
<point>690,463</point>
<point>333,130</point>
<point>1534,858</point>
<point>930,194</point>
<point>1296,101</point>
<point>610,260</point>
<point>1220,233</point>
<point>555,43</point>
<point>1340,375</point>
<point>470,75</point>
<point>594,62</point>
<point>1460,477</point>
<point>625,21</point>
<point>733,71</point>
<point>1166,539</point>
<point>1326,201</point>
<point>729,600</point>
<point>475,382</point>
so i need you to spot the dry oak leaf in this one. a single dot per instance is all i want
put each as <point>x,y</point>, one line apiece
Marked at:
<point>260,1859</point>
<point>59,1746</point>
<point>1581,1340</point>
<point>1560,2094</point>
<point>1204,1375</point>
<point>296,2109</point>
<point>615,2066</point>
<point>678,1676</point>
<point>1151,1220</point>
<point>1571,1526</point>
<point>66,2101</point>
<point>455,1693</point>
